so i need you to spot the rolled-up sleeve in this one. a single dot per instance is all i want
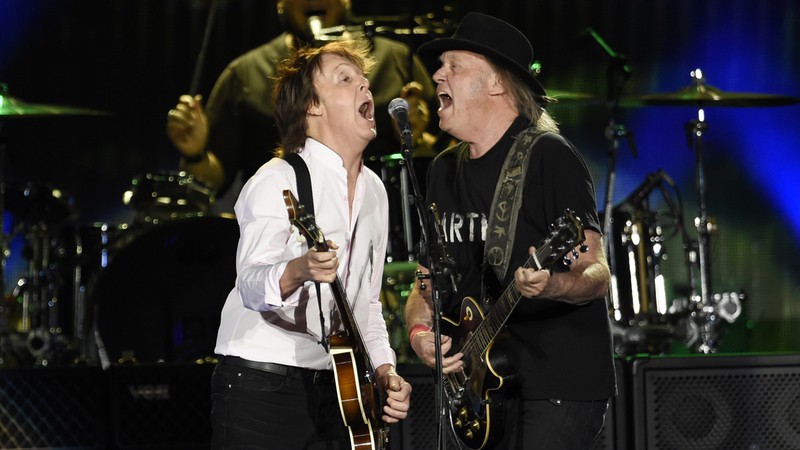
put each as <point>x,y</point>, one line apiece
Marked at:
<point>265,242</point>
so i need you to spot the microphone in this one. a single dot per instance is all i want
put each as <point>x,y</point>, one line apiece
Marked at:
<point>640,193</point>
<point>398,109</point>
<point>618,58</point>
<point>315,26</point>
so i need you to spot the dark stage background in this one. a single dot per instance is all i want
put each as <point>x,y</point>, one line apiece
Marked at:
<point>133,58</point>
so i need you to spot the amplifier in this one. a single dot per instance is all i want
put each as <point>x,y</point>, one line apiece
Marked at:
<point>160,406</point>
<point>717,401</point>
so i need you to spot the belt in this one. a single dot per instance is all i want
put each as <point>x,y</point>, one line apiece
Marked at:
<point>317,377</point>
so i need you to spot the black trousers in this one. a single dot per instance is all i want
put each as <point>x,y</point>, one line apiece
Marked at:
<point>552,424</point>
<point>257,409</point>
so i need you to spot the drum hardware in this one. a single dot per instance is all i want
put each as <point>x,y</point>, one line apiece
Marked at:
<point>397,283</point>
<point>35,331</point>
<point>403,231</point>
<point>697,318</point>
<point>699,327</point>
<point>93,245</point>
<point>158,197</point>
<point>30,327</point>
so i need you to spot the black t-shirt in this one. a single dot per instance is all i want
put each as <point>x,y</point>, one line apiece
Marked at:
<point>560,350</point>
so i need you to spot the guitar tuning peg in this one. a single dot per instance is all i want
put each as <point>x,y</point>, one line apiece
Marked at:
<point>584,248</point>
<point>574,254</point>
<point>567,261</point>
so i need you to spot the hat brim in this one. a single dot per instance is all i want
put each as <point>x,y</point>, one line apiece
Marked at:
<point>432,49</point>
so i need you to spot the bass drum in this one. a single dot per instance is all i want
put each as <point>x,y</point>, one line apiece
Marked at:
<point>161,294</point>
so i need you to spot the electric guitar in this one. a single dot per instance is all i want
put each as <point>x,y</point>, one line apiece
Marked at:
<point>475,395</point>
<point>360,399</point>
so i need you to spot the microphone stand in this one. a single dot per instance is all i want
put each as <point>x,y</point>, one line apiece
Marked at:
<point>614,132</point>
<point>439,273</point>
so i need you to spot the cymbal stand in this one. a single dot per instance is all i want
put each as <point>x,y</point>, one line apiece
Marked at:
<point>696,129</point>
<point>705,311</point>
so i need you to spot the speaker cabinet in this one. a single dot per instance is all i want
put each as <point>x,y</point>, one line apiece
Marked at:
<point>52,408</point>
<point>161,406</point>
<point>717,402</point>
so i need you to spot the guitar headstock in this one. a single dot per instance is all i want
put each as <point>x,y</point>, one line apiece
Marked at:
<point>304,221</point>
<point>566,234</point>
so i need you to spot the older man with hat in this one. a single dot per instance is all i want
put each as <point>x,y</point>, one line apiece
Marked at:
<point>526,341</point>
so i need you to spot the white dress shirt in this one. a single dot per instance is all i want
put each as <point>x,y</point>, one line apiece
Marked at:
<point>256,323</point>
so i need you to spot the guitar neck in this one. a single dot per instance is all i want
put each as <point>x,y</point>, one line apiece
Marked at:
<point>350,323</point>
<point>497,317</point>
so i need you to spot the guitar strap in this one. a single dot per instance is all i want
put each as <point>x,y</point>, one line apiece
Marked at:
<point>306,198</point>
<point>505,207</point>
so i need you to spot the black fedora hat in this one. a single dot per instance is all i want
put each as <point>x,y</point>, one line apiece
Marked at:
<point>499,41</point>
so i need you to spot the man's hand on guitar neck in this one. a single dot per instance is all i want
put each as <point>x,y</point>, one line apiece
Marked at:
<point>398,394</point>
<point>314,265</point>
<point>587,279</point>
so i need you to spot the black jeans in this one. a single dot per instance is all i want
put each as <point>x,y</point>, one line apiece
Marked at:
<point>254,409</point>
<point>552,424</point>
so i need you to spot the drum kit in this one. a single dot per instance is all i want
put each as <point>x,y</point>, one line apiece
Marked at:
<point>642,318</point>
<point>75,293</point>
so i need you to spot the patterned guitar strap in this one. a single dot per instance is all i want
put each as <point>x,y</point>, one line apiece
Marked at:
<point>506,203</point>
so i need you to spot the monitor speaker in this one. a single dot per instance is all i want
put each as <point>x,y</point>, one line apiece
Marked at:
<point>717,402</point>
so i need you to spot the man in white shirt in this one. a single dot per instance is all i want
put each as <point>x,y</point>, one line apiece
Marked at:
<point>274,385</point>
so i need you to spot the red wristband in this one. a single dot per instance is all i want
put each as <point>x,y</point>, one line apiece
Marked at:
<point>418,328</point>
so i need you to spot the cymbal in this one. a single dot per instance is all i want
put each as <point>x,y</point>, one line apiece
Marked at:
<point>568,97</point>
<point>707,95</point>
<point>14,108</point>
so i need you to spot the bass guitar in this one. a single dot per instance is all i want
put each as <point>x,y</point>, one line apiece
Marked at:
<point>475,395</point>
<point>360,399</point>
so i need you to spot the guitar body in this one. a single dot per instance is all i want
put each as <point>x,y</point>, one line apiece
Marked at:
<point>476,396</point>
<point>359,399</point>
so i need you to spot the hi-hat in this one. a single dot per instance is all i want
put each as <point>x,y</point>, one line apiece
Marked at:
<point>13,108</point>
<point>705,95</point>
